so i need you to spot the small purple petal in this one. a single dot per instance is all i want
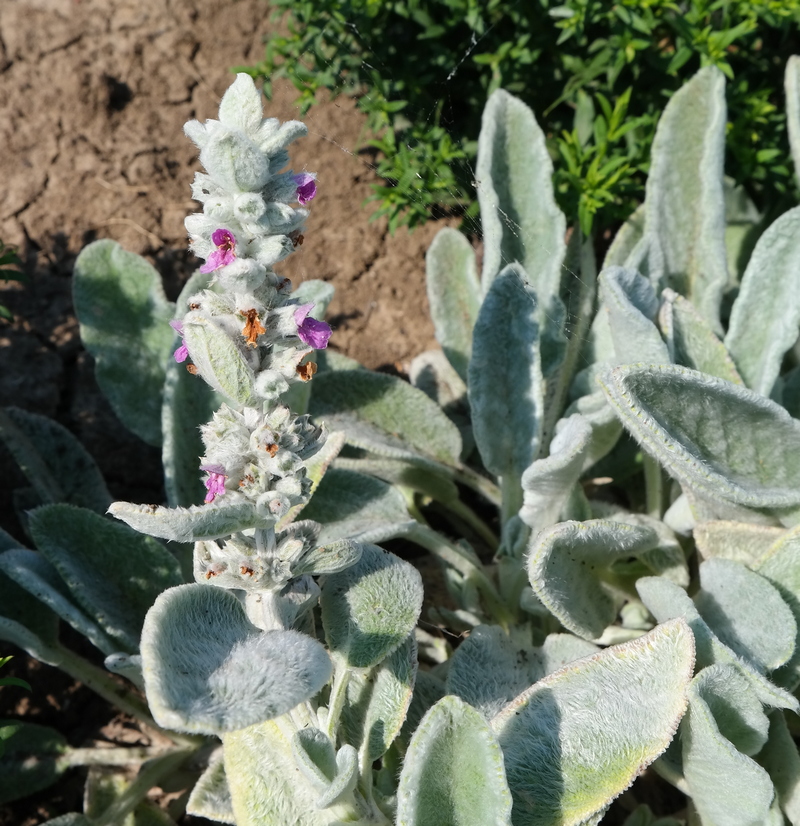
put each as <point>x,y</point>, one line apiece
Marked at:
<point>182,353</point>
<point>224,253</point>
<point>301,312</point>
<point>223,238</point>
<point>215,483</point>
<point>314,333</point>
<point>306,187</point>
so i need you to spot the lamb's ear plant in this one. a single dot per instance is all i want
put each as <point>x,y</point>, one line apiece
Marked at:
<point>616,475</point>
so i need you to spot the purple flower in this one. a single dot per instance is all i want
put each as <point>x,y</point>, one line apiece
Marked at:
<point>223,254</point>
<point>314,333</point>
<point>214,482</point>
<point>306,187</point>
<point>182,353</point>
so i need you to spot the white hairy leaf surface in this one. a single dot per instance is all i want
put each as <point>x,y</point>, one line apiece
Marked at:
<point>684,197</point>
<point>386,416</point>
<point>548,483</point>
<point>212,521</point>
<point>737,711</point>
<point>665,600</point>
<point>792,87</point>
<point>378,701</point>
<point>50,456</point>
<point>453,771</point>
<point>521,220</point>
<point>632,305</point>
<point>241,106</point>
<point>781,760</point>
<point>746,613</point>
<point>490,668</point>
<point>32,571</point>
<point>352,504</point>
<point>218,360</point>
<point>454,294</point>
<point>568,563</point>
<point>267,788</point>
<point>579,737</point>
<point>369,609</point>
<point>211,797</point>
<point>124,319</point>
<point>505,375</point>
<point>780,564</point>
<point>729,443</point>
<point>691,340</point>
<point>740,541</point>
<point>726,786</point>
<point>208,670</point>
<point>234,161</point>
<point>112,572</point>
<point>766,313</point>
<point>626,239</point>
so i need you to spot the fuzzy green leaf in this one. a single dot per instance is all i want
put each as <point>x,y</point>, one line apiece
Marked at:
<point>505,375</point>
<point>211,797</point>
<point>781,760</point>
<point>208,670</point>
<point>386,416</point>
<point>191,524</point>
<point>548,482</point>
<point>631,304</point>
<point>746,613</point>
<point>520,217</point>
<point>218,360</point>
<point>377,702</point>
<point>766,314</point>
<point>792,87</point>
<point>453,771</point>
<point>665,600</point>
<point>726,786</point>
<point>39,578</point>
<point>684,201</point>
<point>725,441</point>
<point>578,738</point>
<point>567,566</point>
<point>124,318</point>
<point>691,340</point>
<point>369,609</point>
<point>29,761</point>
<point>56,464</point>
<point>741,541</point>
<point>113,572</point>
<point>454,295</point>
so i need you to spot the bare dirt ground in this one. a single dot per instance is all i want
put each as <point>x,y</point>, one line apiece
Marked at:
<point>93,98</point>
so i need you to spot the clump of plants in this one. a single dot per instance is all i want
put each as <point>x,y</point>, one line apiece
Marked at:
<point>605,467</point>
<point>421,72</point>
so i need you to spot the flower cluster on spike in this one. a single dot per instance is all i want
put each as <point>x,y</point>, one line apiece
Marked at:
<point>250,340</point>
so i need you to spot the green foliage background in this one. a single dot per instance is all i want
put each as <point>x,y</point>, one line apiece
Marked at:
<point>597,74</point>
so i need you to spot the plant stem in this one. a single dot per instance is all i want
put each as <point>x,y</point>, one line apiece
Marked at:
<point>512,497</point>
<point>121,756</point>
<point>654,486</point>
<point>149,776</point>
<point>467,515</point>
<point>479,483</point>
<point>341,679</point>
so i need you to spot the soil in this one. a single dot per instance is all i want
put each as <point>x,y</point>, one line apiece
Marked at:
<point>93,98</point>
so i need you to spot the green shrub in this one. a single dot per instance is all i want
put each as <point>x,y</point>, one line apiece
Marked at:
<point>423,69</point>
